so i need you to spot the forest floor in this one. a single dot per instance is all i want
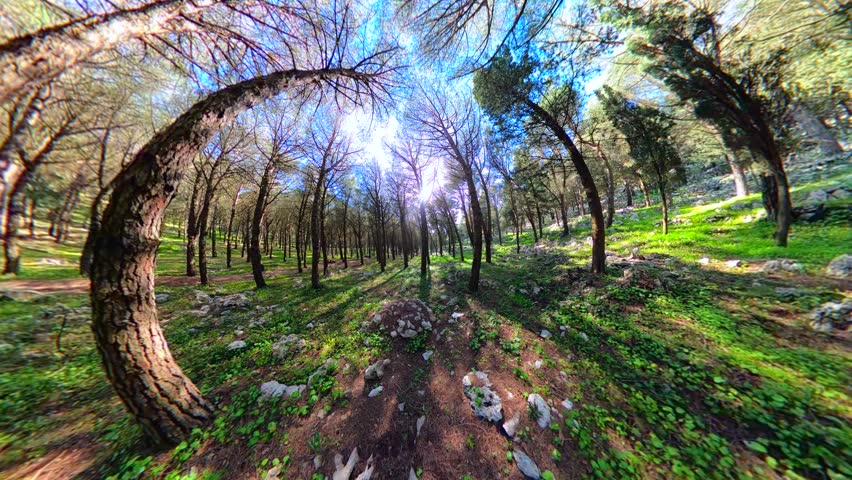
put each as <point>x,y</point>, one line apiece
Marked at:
<point>672,365</point>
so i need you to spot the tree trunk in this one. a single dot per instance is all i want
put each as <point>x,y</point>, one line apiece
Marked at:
<point>203,216</point>
<point>14,212</point>
<point>610,186</point>
<point>737,171</point>
<point>32,60</point>
<point>254,254</point>
<point>424,242</point>
<point>665,203</point>
<point>316,218</point>
<point>229,235</point>
<point>645,192</point>
<point>588,182</point>
<point>486,227</point>
<point>628,191</point>
<point>136,357</point>
<point>192,224</point>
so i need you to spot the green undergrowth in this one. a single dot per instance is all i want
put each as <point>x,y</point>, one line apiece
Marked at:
<point>687,372</point>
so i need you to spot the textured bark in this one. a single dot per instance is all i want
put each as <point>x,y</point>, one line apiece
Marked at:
<point>588,182</point>
<point>136,357</point>
<point>665,202</point>
<point>487,231</point>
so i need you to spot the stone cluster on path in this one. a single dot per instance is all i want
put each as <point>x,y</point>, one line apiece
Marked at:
<point>274,389</point>
<point>832,315</point>
<point>404,318</point>
<point>484,401</point>
<point>287,343</point>
<point>219,304</point>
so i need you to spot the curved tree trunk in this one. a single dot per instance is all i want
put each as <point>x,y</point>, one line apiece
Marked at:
<point>136,357</point>
<point>588,182</point>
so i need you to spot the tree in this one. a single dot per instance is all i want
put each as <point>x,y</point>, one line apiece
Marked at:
<point>217,163</point>
<point>453,129</point>
<point>684,50</point>
<point>128,335</point>
<point>330,152</point>
<point>511,90</point>
<point>648,132</point>
<point>410,153</point>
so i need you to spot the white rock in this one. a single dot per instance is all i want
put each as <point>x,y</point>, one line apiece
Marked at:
<point>568,404</point>
<point>367,474</point>
<point>376,391</point>
<point>393,333</point>
<point>236,345</point>
<point>537,364</point>
<point>734,263</point>
<point>539,405</point>
<point>376,371</point>
<point>294,389</point>
<point>544,334</point>
<point>510,426</point>
<point>401,407</point>
<point>341,471</point>
<point>411,474</point>
<point>409,333</point>
<point>526,465</point>
<point>704,260</point>
<point>310,325</point>
<point>457,315</point>
<point>483,400</point>
<point>420,422</point>
<point>584,336</point>
<point>272,389</point>
<point>427,355</point>
<point>426,325</point>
